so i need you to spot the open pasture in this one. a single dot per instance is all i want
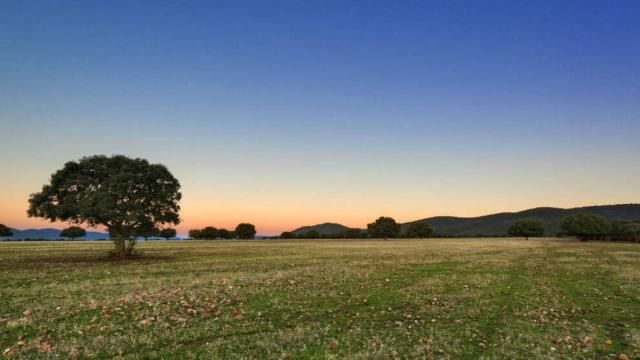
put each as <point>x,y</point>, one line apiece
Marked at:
<point>431,298</point>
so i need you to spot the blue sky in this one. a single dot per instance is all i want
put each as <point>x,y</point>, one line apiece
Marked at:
<point>294,112</point>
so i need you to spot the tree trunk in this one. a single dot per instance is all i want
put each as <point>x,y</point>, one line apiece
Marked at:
<point>120,243</point>
<point>120,247</point>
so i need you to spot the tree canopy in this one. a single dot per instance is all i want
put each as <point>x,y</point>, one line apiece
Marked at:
<point>383,227</point>
<point>586,226</point>
<point>209,233</point>
<point>195,234</point>
<point>526,228</point>
<point>5,231</point>
<point>419,230</point>
<point>624,230</point>
<point>167,233</point>
<point>117,192</point>
<point>225,234</point>
<point>146,230</point>
<point>245,231</point>
<point>73,232</point>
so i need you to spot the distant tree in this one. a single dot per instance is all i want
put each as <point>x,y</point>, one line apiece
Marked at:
<point>167,233</point>
<point>195,234</point>
<point>245,231</point>
<point>312,234</point>
<point>73,232</point>
<point>585,227</point>
<point>352,234</point>
<point>526,228</point>
<point>384,227</point>
<point>117,192</point>
<point>287,235</point>
<point>5,231</point>
<point>209,233</point>
<point>419,230</point>
<point>145,230</point>
<point>225,234</point>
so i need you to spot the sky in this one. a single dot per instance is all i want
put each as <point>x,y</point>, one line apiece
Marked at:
<point>292,113</point>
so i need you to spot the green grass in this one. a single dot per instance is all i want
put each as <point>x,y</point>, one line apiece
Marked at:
<point>435,298</point>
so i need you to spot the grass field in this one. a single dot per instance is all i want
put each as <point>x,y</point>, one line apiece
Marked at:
<point>435,298</point>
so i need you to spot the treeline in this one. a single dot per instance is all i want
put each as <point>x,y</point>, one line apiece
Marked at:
<point>242,231</point>
<point>593,227</point>
<point>383,227</point>
<point>582,226</point>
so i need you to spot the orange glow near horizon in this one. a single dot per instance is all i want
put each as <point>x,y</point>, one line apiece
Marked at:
<point>271,220</point>
<point>283,202</point>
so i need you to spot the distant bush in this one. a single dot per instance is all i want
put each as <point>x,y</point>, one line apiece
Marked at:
<point>586,227</point>
<point>419,230</point>
<point>167,233</point>
<point>624,230</point>
<point>73,232</point>
<point>209,233</point>
<point>226,234</point>
<point>287,235</point>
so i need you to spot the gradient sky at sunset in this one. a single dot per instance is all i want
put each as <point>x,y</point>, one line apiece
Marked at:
<point>290,113</point>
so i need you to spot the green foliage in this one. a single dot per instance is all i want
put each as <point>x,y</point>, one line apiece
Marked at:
<point>419,230</point>
<point>195,234</point>
<point>167,233</point>
<point>245,231</point>
<point>209,233</point>
<point>287,235</point>
<point>145,230</point>
<point>350,234</point>
<point>526,228</point>
<point>586,227</point>
<point>225,234</point>
<point>5,231</point>
<point>117,192</point>
<point>73,232</point>
<point>384,227</point>
<point>623,230</point>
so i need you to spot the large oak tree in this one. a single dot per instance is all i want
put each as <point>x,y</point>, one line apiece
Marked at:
<point>117,192</point>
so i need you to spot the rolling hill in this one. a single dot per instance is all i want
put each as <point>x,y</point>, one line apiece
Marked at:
<point>323,229</point>
<point>497,224</point>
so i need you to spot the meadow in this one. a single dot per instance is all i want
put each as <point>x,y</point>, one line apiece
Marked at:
<point>363,299</point>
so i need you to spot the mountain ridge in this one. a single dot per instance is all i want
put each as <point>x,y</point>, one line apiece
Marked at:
<point>51,233</point>
<point>498,223</point>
